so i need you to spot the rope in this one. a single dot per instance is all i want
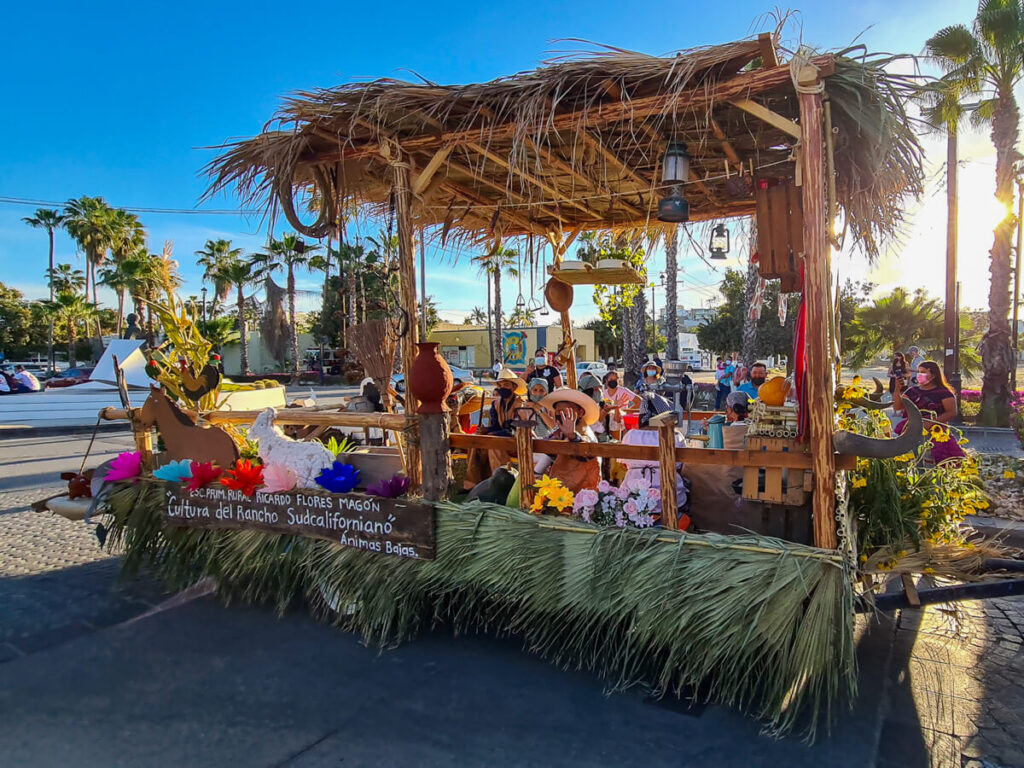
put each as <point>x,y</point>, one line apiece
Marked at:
<point>798,63</point>
<point>88,448</point>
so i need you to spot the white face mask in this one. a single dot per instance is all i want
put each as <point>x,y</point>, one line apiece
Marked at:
<point>652,371</point>
<point>540,360</point>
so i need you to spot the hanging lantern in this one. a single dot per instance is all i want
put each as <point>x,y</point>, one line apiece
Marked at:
<point>675,171</point>
<point>719,245</point>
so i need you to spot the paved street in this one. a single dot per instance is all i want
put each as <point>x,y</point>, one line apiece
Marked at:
<point>204,684</point>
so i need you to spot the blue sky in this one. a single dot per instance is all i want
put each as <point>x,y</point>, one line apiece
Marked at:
<point>120,99</point>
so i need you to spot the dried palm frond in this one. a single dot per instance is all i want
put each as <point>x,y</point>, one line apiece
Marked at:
<point>274,327</point>
<point>577,143</point>
<point>373,346</point>
<point>751,622</point>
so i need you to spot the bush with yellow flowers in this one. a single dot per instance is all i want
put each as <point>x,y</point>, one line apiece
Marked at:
<point>904,501</point>
<point>551,497</point>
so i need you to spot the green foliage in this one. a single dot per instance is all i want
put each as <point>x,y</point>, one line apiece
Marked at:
<point>337,448</point>
<point>219,331</point>
<point>19,335</point>
<point>770,627</point>
<point>724,334</point>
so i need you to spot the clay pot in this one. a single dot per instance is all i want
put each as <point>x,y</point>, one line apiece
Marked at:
<point>558,294</point>
<point>430,380</point>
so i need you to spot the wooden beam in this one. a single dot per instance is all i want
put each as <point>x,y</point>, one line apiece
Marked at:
<point>769,58</point>
<point>524,452</point>
<point>556,194</point>
<point>666,424</point>
<point>612,159</point>
<point>727,147</point>
<point>427,174</point>
<point>407,288</point>
<point>505,191</point>
<point>742,86</point>
<point>817,274</point>
<point>470,197</point>
<point>565,166</point>
<point>766,115</point>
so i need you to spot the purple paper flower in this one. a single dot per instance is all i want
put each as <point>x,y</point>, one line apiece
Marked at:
<point>125,468</point>
<point>338,478</point>
<point>390,489</point>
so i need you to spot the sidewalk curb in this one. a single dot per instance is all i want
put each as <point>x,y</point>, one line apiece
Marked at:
<point>78,429</point>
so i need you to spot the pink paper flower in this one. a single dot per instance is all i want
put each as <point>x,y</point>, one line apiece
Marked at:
<point>125,468</point>
<point>654,494</point>
<point>604,486</point>
<point>278,477</point>
<point>585,498</point>
<point>631,508</point>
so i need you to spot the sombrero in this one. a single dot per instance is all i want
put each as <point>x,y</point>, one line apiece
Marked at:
<point>591,413</point>
<point>507,375</point>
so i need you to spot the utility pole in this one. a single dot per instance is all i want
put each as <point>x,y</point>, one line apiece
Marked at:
<point>951,348</point>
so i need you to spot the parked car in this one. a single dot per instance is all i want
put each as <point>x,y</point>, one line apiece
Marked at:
<point>597,368</point>
<point>466,375</point>
<point>69,378</point>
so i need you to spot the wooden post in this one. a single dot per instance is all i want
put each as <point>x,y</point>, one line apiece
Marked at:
<point>143,438</point>
<point>524,450</point>
<point>817,276</point>
<point>666,424</point>
<point>570,360</point>
<point>407,281</point>
<point>437,459</point>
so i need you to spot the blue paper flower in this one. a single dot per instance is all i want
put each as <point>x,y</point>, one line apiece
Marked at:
<point>338,478</point>
<point>175,471</point>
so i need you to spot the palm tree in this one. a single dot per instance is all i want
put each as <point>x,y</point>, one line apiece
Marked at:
<point>89,220</point>
<point>895,322</point>
<point>241,273</point>
<point>70,309</point>
<point>521,317</point>
<point>493,264</point>
<point>50,220</point>
<point>64,279</point>
<point>290,251</point>
<point>986,62</point>
<point>127,237</point>
<point>214,257</point>
<point>477,316</point>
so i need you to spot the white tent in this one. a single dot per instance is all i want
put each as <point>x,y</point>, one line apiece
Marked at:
<point>130,359</point>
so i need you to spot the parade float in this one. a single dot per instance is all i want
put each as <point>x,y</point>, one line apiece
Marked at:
<point>605,579</point>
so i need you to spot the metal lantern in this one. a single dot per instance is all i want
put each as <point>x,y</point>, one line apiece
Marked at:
<point>719,245</point>
<point>675,171</point>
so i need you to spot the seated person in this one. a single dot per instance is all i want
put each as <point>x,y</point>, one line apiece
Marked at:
<point>758,375</point>
<point>25,380</point>
<point>574,413</point>
<point>651,380</point>
<point>737,408</point>
<point>651,404</point>
<point>7,384</point>
<point>590,386</point>
<point>546,423</point>
<point>480,464</point>
<point>617,399</point>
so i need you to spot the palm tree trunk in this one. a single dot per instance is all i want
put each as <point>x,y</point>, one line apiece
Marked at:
<point>72,341</point>
<point>996,351</point>
<point>671,297</point>
<point>362,292</point>
<point>639,340</point>
<point>498,345</point>
<point>630,366</point>
<point>351,291</point>
<point>292,326</point>
<point>120,310</point>
<point>243,332</point>
<point>49,344</point>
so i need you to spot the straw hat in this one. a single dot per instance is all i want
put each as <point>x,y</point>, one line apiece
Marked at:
<point>507,375</point>
<point>591,413</point>
<point>649,364</point>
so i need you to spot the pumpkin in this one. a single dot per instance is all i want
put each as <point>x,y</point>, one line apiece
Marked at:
<point>773,392</point>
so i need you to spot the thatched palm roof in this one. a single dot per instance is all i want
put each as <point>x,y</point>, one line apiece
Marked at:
<point>576,144</point>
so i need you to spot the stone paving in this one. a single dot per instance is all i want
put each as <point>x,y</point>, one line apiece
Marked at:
<point>953,696</point>
<point>56,582</point>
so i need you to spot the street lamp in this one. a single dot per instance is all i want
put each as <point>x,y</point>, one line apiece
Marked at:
<point>675,171</point>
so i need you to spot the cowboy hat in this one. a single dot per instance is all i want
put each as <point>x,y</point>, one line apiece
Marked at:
<point>507,375</point>
<point>591,413</point>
